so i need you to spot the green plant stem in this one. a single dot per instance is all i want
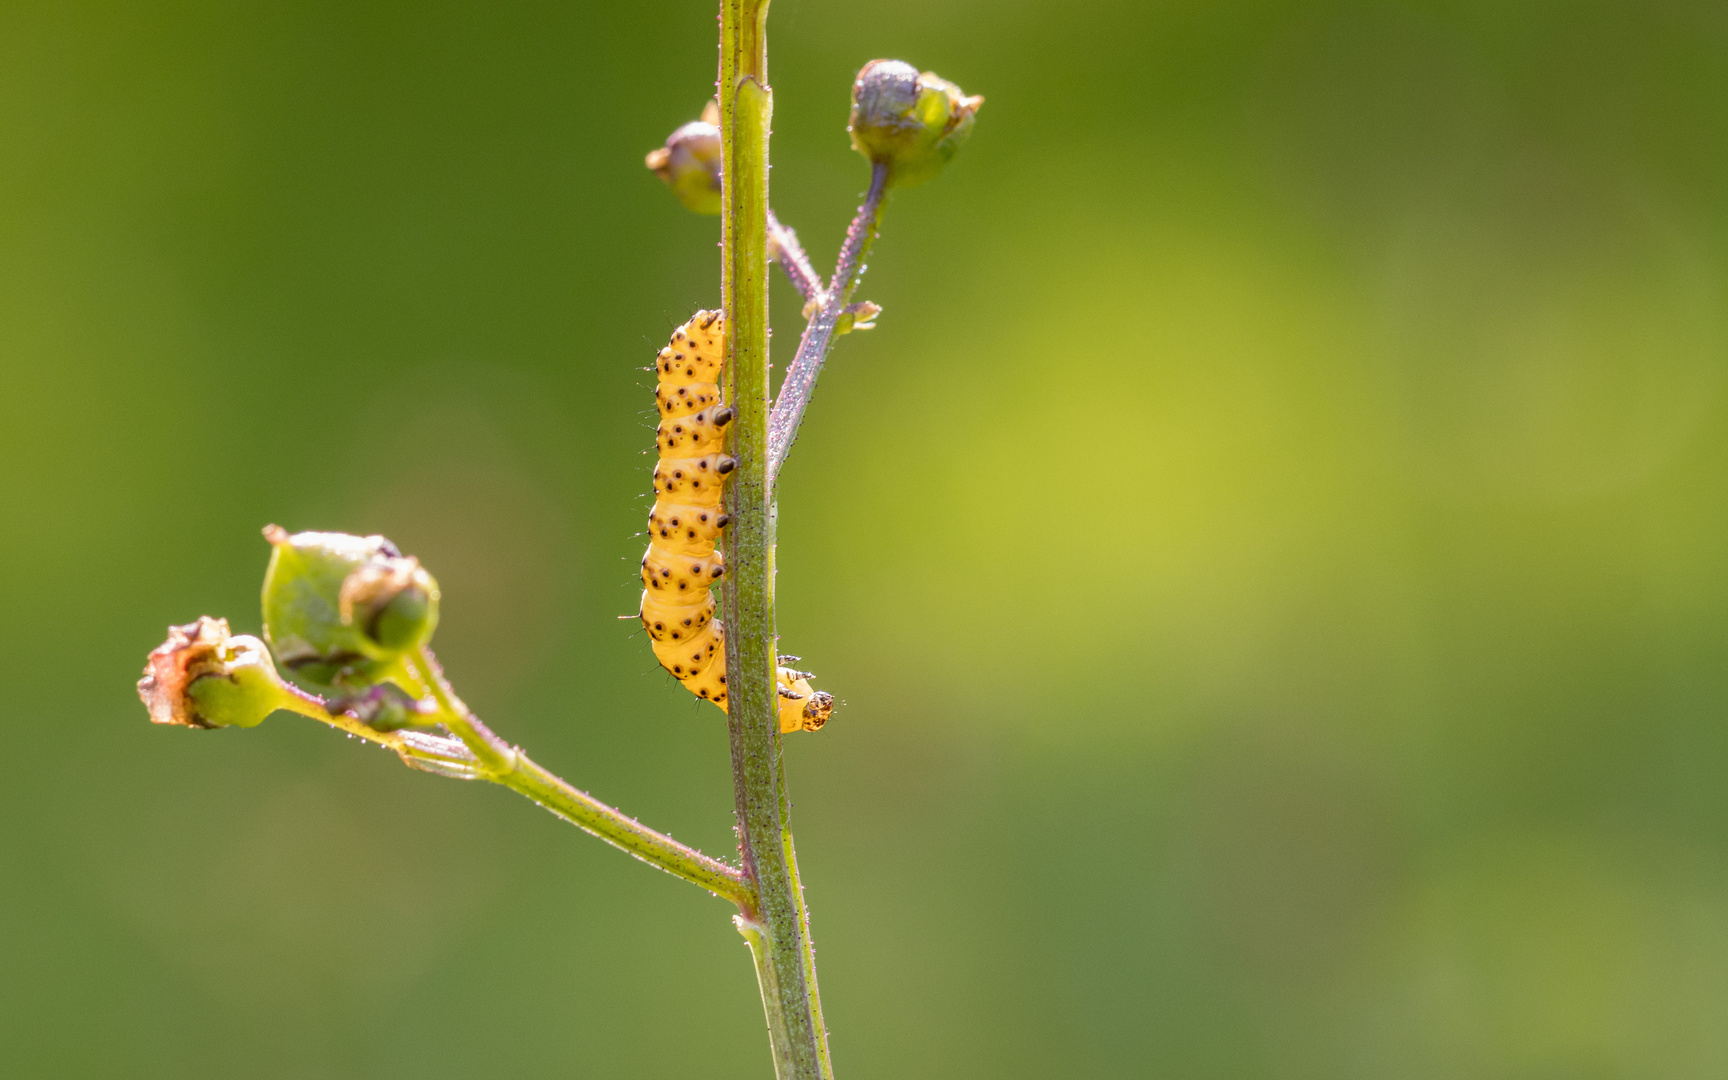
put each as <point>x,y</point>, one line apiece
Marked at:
<point>497,757</point>
<point>807,956</point>
<point>625,832</point>
<point>818,337</point>
<point>776,927</point>
<point>478,754</point>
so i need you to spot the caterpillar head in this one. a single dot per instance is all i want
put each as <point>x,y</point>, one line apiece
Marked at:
<point>801,708</point>
<point>817,710</point>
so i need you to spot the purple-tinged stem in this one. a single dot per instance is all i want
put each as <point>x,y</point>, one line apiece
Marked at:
<point>783,241</point>
<point>819,332</point>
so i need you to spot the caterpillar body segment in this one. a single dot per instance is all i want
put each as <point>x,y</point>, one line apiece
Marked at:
<point>682,565</point>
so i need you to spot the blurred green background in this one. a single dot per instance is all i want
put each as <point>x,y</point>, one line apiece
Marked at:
<point>1273,553</point>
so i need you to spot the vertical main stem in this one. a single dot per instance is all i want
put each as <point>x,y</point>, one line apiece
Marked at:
<point>777,930</point>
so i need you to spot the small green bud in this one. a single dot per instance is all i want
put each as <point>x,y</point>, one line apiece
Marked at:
<point>206,677</point>
<point>910,122</point>
<point>340,610</point>
<point>405,620</point>
<point>690,162</point>
<point>384,707</point>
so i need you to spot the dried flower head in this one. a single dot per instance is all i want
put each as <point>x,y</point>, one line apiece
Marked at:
<point>203,676</point>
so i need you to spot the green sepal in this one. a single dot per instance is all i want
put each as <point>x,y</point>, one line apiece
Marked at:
<point>405,621</point>
<point>241,698</point>
<point>340,610</point>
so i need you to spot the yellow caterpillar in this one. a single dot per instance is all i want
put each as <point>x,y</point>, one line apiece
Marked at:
<point>681,564</point>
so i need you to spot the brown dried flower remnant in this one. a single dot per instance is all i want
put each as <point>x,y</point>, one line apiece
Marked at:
<point>204,676</point>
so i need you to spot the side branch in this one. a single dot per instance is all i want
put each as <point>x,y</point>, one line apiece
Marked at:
<point>783,245</point>
<point>478,754</point>
<point>626,833</point>
<point>818,336</point>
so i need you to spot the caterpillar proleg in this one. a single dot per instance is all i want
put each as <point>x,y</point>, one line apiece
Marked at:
<point>682,565</point>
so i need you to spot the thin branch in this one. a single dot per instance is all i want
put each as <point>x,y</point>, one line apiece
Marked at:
<point>495,755</point>
<point>818,336</point>
<point>478,754</point>
<point>783,245</point>
<point>626,833</point>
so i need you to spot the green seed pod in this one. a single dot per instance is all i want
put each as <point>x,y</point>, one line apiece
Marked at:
<point>910,122</point>
<point>385,707</point>
<point>340,610</point>
<point>203,676</point>
<point>689,163</point>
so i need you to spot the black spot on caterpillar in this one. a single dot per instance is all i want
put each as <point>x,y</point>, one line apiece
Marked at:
<point>686,521</point>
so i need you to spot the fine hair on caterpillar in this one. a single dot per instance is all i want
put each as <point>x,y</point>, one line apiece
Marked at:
<point>682,565</point>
